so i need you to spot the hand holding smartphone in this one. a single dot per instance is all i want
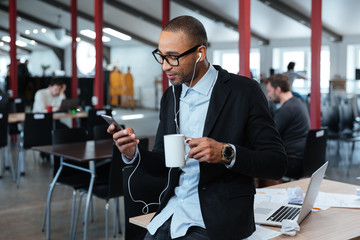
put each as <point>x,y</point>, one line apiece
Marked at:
<point>111,120</point>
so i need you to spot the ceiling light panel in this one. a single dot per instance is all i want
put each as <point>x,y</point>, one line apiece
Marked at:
<point>117,34</point>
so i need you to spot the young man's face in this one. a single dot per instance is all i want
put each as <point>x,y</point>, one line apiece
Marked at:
<point>273,93</point>
<point>55,90</point>
<point>176,43</point>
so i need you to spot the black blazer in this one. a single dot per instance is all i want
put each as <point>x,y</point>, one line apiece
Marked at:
<point>238,114</point>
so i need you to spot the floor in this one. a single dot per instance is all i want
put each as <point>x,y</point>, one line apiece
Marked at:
<point>22,209</point>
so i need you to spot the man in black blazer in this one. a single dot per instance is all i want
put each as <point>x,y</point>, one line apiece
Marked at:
<point>234,140</point>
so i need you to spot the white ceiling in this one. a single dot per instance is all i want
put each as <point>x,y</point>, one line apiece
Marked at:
<point>340,16</point>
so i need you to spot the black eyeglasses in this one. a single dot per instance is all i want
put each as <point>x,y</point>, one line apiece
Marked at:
<point>172,60</point>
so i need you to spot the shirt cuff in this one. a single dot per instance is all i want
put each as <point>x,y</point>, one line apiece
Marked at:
<point>233,161</point>
<point>131,161</point>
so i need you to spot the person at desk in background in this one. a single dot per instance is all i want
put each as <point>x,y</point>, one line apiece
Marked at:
<point>292,120</point>
<point>50,97</point>
<point>233,140</point>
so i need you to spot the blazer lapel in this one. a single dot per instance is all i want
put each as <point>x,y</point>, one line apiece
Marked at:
<point>218,98</point>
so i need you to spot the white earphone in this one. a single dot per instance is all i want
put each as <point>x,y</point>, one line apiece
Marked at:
<point>198,58</point>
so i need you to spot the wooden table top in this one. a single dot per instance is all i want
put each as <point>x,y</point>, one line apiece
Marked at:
<point>333,223</point>
<point>82,151</point>
<point>20,117</point>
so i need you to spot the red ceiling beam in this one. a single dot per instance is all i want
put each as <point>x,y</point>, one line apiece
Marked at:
<point>13,62</point>
<point>244,37</point>
<point>316,32</point>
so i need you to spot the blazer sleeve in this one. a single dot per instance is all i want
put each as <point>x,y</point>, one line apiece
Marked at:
<point>263,155</point>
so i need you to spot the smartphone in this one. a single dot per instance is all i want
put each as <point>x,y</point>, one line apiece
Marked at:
<point>110,120</point>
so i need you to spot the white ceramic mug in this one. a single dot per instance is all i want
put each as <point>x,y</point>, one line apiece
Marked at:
<point>174,145</point>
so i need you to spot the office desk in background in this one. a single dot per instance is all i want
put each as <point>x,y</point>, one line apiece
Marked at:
<point>20,117</point>
<point>333,223</point>
<point>89,151</point>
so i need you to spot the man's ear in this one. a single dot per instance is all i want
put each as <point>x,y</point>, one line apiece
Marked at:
<point>277,90</point>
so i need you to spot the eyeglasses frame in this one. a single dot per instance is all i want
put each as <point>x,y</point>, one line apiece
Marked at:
<point>191,50</point>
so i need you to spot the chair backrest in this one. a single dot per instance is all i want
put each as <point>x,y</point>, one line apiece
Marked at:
<point>94,119</point>
<point>3,128</point>
<point>330,117</point>
<point>145,188</point>
<point>68,135</point>
<point>37,129</point>
<point>315,150</point>
<point>16,105</point>
<point>346,115</point>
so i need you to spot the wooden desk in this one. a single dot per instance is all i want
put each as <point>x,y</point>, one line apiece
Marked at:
<point>20,117</point>
<point>90,152</point>
<point>333,223</point>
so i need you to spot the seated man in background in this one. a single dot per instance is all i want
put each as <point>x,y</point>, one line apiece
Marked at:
<point>292,120</point>
<point>51,96</point>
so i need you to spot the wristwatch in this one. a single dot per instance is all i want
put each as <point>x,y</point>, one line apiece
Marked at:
<point>227,154</point>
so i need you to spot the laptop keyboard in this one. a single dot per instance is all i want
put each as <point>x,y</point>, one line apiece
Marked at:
<point>284,212</point>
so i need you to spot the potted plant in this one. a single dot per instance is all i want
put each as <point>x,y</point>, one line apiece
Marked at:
<point>44,67</point>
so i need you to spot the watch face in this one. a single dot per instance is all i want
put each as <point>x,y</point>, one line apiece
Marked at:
<point>228,152</point>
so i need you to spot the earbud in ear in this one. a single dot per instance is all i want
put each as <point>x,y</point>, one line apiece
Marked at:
<point>198,57</point>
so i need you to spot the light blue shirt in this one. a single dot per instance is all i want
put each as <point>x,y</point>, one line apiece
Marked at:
<point>184,206</point>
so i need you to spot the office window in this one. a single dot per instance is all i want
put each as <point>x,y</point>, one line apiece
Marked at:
<point>229,60</point>
<point>4,62</point>
<point>294,56</point>
<point>325,69</point>
<point>352,63</point>
<point>302,58</point>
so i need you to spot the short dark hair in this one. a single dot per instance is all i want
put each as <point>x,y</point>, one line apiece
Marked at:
<point>291,66</point>
<point>192,27</point>
<point>56,81</point>
<point>279,80</point>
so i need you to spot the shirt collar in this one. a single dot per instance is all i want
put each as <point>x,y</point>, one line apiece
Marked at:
<point>204,85</point>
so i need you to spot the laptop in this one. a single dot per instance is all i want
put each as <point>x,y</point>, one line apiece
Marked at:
<point>270,213</point>
<point>69,104</point>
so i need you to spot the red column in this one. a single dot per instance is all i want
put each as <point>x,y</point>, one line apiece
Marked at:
<point>74,79</point>
<point>316,31</point>
<point>13,63</point>
<point>165,20</point>
<point>99,74</point>
<point>244,37</point>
